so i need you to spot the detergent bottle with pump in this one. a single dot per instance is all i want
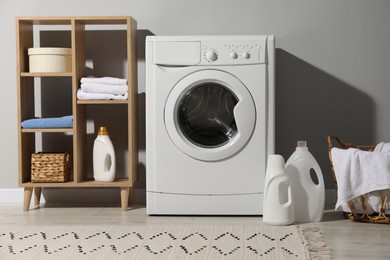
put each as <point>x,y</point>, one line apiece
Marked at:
<point>103,157</point>
<point>278,206</point>
<point>308,193</point>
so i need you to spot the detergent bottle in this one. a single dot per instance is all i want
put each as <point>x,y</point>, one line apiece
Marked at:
<point>308,195</point>
<point>103,157</point>
<point>278,206</point>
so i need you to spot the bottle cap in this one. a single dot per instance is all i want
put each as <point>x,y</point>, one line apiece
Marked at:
<point>302,146</point>
<point>275,161</point>
<point>103,130</point>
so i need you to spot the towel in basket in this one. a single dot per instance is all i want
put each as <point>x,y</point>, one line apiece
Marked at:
<point>363,180</point>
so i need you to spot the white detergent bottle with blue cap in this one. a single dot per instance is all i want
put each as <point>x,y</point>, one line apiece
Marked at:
<point>308,192</point>
<point>278,206</point>
<point>104,165</point>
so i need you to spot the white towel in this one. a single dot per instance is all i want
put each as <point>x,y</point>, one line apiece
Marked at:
<point>360,172</point>
<point>104,88</point>
<point>100,96</point>
<point>382,147</point>
<point>104,80</point>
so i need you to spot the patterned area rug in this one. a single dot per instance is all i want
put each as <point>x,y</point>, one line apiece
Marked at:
<point>162,242</point>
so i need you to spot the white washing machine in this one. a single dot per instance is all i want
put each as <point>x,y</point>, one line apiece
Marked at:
<point>209,123</point>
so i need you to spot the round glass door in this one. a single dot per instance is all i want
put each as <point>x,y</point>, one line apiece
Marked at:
<point>210,115</point>
<point>205,115</point>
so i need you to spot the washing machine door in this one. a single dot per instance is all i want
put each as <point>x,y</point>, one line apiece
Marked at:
<point>210,115</point>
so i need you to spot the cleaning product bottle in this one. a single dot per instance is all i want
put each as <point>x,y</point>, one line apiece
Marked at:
<point>103,157</point>
<point>278,206</point>
<point>308,195</point>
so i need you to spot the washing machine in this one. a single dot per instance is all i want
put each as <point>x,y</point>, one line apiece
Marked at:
<point>209,123</point>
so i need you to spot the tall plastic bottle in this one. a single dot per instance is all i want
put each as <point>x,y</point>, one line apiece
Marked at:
<point>278,206</point>
<point>309,196</point>
<point>104,165</point>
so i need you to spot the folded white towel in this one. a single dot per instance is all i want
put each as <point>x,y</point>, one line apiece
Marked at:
<point>104,80</point>
<point>104,88</point>
<point>382,147</point>
<point>360,172</point>
<point>100,96</point>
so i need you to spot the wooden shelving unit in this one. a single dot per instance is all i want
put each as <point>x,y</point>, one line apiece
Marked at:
<point>26,104</point>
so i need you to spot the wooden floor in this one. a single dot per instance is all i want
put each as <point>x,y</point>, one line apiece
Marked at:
<point>348,240</point>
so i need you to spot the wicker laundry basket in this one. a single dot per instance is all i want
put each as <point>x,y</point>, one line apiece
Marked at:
<point>378,217</point>
<point>50,167</point>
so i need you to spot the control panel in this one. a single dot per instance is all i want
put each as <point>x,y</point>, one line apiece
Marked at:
<point>234,52</point>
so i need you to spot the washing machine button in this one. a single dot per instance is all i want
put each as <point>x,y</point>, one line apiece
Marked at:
<point>245,55</point>
<point>233,55</point>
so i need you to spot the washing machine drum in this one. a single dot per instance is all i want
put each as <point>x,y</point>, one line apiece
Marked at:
<point>210,115</point>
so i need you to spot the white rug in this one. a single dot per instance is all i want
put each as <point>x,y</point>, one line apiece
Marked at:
<point>162,242</point>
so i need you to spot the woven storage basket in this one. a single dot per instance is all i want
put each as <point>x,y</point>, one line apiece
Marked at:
<point>50,167</point>
<point>378,217</point>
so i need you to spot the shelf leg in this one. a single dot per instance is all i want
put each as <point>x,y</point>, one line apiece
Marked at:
<point>27,198</point>
<point>125,197</point>
<point>37,196</point>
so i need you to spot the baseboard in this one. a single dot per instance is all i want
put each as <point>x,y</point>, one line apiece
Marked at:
<point>11,195</point>
<point>101,195</point>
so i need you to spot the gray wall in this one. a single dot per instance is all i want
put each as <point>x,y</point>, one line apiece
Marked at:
<point>332,72</point>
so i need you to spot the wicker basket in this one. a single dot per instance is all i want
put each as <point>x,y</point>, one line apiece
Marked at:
<point>379,217</point>
<point>50,167</point>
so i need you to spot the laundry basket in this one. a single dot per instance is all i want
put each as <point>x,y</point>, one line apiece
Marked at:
<point>377,217</point>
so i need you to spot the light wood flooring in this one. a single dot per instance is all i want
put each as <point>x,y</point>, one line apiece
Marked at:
<point>348,240</point>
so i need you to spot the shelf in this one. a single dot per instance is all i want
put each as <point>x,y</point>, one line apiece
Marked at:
<point>47,130</point>
<point>84,184</point>
<point>103,20</point>
<point>46,74</point>
<point>47,20</point>
<point>75,32</point>
<point>109,102</point>
<point>115,183</point>
<point>48,184</point>
<point>66,20</point>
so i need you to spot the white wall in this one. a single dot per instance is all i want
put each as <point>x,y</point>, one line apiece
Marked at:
<point>332,73</point>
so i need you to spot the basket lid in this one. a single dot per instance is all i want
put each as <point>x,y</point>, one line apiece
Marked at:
<point>49,51</point>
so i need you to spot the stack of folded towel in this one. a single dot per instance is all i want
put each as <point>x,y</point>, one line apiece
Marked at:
<point>361,172</point>
<point>52,122</point>
<point>103,88</point>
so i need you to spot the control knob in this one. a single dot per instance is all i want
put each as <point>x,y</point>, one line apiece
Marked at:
<point>211,55</point>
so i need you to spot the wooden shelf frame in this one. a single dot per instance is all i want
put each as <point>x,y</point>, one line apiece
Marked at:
<point>26,107</point>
